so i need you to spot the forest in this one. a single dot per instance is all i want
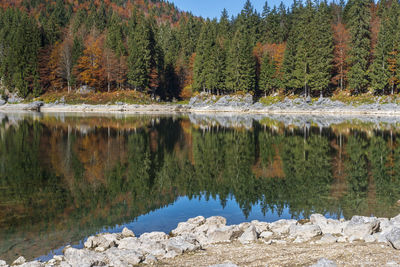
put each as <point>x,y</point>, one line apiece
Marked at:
<point>310,48</point>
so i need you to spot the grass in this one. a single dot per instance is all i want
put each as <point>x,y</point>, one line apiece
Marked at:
<point>129,97</point>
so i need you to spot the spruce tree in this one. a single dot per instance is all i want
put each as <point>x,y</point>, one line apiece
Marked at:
<point>268,81</point>
<point>359,16</point>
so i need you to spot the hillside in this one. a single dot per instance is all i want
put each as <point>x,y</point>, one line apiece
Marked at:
<point>309,49</point>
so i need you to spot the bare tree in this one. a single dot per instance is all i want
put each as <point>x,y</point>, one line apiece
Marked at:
<point>66,64</point>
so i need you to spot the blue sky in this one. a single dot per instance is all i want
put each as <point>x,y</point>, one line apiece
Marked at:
<point>213,8</point>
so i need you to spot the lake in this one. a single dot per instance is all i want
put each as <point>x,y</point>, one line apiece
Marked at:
<point>64,177</point>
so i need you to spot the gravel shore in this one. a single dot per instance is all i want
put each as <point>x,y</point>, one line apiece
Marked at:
<point>317,241</point>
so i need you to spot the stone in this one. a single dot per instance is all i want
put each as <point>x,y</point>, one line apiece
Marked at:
<point>65,264</point>
<point>266,235</point>
<point>103,241</point>
<point>342,239</point>
<point>369,239</point>
<point>84,258</point>
<point>58,257</point>
<point>153,236</point>
<point>170,254</point>
<point>215,220</point>
<point>299,240</point>
<point>121,258</point>
<point>127,233</point>
<point>260,226</point>
<point>305,231</point>
<point>2,102</point>
<point>180,245</point>
<point>249,235</point>
<point>221,234</point>
<point>323,262</point>
<point>392,264</point>
<point>327,239</point>
<point>394,237</point>
<point>189,225</point>
<point>282,226</point>
<point>32,264</point>
<point>395,220</point>
<point>360,226</point>
<point>19,261</point>
<point>3,263</point>
<point>150,259</point>
<point>34,106</point>
<point>328,226</point>
<point>227,264</point>
<point>130,243</point>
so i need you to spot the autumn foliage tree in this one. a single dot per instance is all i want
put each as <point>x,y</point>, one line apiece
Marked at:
<point>341,39</point>
<point>89,68</point>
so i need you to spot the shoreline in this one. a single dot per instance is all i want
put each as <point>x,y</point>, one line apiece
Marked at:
<point>255,109</point>
<point>210,242</point>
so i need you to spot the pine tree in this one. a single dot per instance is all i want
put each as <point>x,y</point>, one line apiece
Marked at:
<point>359,16</point>
<point>268,81</point>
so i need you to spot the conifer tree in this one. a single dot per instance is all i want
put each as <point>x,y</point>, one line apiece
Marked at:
<point>268,81</point>
<point>358,16</point>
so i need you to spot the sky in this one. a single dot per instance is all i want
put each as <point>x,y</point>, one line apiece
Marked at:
<point>213,8</point>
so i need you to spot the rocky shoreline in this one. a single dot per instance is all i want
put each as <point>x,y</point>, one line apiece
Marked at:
<point>199,235</point>
<point>226,104</point>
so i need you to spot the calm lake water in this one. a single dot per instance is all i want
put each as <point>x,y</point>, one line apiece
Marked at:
<point>65,177</point>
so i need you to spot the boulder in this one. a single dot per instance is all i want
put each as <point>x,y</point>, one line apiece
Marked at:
<point>249,235</point>
<point>328,226</point>
<point>32,264</point>
<point>127,233</point>
<point>305,231</point>
<point>282,226</point>
<point>121,258</point>
<point>327,239</point>
<point>189,225</point>
<point>360,226</point>
<point>84,258</point>
<point>35,106</point>
<point>130,243</point>
<point>324,263</point>
<point>3,263</point>
<point>260,226</point>
<point>19,261</point>
<point>2,102</point>
<point>84,89</point>
<point>153,236</point>
<point>104,241</point>
<point>150,260</point>
<point>222,234</point>
<point>181,244</point>
<point>266,235</point>
<point>227,264</point>
<point>394,237</point>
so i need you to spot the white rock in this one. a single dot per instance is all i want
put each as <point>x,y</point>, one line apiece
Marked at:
<point>189,225</point>
<point>170,254</point>
<point>65,264</point>
<point>32,264</point>
<point>83,258</point>
<point>180,245</point>
<point>222,234</point>
<point>394,237</point>
<point>305,231</point>
<point>299,240</point>
<point>127,233</point>
<point>131,243</point>
<point>218,220</point>
<point>250,235</point>
<point>153,236</point>
<point>328,226</point>
<point>227,264</point>
<point>19,261</point>
<point>360,226</point>
<point>324,263</point>
<point>3,263</point>
<point>266,235</point>
<point>58,257</point>
<point>327,239</point>
<point>369,239</point>
<point>342,239</point>
<point>122,258</point>
<point>150,259</point>
<point>282,226</point>
<point>260,226</point>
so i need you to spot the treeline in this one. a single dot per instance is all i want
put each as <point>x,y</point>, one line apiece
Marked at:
<point>309,48</point>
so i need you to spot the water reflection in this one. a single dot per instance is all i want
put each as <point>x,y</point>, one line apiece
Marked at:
<point>63,178</point>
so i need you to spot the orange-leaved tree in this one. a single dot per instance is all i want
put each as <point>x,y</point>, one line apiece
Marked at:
<point>89,68</point>
<point>341,38</point>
